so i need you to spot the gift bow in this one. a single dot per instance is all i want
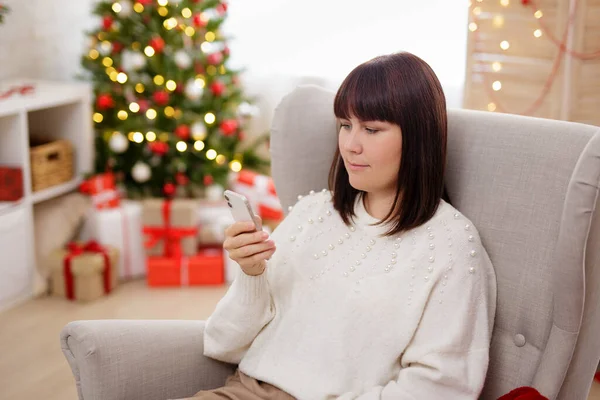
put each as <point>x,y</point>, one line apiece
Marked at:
<point>523,393</point>
<point>77,249</point>
<point>171,236</point>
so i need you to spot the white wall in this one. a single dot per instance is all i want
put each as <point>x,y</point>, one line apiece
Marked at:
<point>280,42</point>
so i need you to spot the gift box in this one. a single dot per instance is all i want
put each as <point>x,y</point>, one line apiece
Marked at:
<point>261,194</point>
<point>121,228</point>
<point>83,271</point>
<point>11,183</point>
<point>102,190</point>
<point>170,227</point>
<point>206,267</point>
<point>213,218</point>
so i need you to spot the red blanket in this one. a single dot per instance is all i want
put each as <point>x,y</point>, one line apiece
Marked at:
<point>523,393</point>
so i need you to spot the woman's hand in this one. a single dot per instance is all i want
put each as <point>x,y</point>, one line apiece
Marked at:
<point>248,248</point>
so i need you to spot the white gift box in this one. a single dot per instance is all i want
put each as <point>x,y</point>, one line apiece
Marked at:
<point>120,227</point>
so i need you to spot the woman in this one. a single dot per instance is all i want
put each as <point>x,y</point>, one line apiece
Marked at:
<point>377,289</point>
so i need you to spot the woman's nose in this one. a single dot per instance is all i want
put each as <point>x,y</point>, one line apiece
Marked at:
<point>352,143</point>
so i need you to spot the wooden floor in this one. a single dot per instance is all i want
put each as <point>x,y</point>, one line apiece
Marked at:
<point>32,366</point>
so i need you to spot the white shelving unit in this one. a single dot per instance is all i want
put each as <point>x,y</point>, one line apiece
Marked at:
<point>58,111</point>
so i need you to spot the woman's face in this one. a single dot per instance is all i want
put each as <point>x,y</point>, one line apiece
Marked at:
<point>371,151</point>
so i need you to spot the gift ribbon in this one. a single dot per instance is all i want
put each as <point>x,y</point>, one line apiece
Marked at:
<point>171,236</point>
<point>261,183</point>
<point>76,249</point>
<point>22,90</point>
<point>184,268</point>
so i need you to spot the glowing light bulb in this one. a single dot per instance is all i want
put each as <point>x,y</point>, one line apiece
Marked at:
<point>537,33</point>
<point>211,154</point>
<point>150,136</point>
<point>199,145</point>
<point>504,45</point>
<point>181,146</point>
<point>538,14</point>
<point>151,113</point>
<point>116,7</point>
<point>98,118</point>
<point>122,115</point>
<point>497,85</point>
<point>171,85</point>
<point>138,137</point>
<point>122,77</point>
<point>159,80</point>
<point>472,26</point>
<point>491,107</point>
<point>209,118</point>
<point>186,13</point>
<point>496,66</point>
<point>235,166</point>
<point>149,51</point>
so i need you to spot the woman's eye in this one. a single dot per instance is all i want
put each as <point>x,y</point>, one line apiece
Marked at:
<point>345,126</point>
<point>369,130</point>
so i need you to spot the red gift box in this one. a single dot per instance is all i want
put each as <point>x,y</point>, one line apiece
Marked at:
<point>260,191</point>
<point>102,189</point>
<point>11,183</point>
<point>204,268</point>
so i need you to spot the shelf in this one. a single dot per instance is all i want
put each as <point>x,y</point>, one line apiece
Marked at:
<point>7,206</point>
<point>45,95</point>
<point>54,191</point>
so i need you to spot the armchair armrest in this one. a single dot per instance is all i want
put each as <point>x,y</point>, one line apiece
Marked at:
<point>140,359</point>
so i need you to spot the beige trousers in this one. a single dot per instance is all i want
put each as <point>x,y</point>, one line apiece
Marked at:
<point>242,387</point>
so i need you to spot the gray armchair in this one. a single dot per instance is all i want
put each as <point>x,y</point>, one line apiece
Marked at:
<point>529,185</point>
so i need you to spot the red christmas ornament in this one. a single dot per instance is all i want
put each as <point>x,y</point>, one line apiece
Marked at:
<point>107,23</point>
<point>226,51</point>
<point>228,127</point>
<point>169,189</point>
<point>144,105</point>
<point>182,132</point>
<point>208,180</point>
<point>161,98</point>
<point>157,43</point>
<point>145,2</point>
<point>217,87</point>
<point>117,47</point>
<point>159,148</point>
<point>181,179</point>
<point>525,2</point>
<point>221,8</point>
<point>105,101</point>
<point>214,58</point>
<point>198,21</point>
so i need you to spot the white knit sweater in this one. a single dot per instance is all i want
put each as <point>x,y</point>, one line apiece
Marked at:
<point>344,313</point>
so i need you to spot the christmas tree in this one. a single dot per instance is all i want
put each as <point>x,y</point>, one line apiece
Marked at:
<point>169,113</point>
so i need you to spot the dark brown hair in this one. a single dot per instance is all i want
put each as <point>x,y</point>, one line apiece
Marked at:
<point>401,89</point>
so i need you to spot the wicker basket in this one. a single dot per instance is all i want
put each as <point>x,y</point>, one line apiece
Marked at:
<point>51,164</point>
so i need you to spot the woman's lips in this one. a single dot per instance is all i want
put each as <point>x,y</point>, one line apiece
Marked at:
<point>356,167</point>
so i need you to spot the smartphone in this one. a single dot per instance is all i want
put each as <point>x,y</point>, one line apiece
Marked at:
<point>241,209</point>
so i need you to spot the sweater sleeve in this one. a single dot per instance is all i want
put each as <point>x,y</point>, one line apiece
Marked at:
<point>448,355</point>
<point>245,310</point>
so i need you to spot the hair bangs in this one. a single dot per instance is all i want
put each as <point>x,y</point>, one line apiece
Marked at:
<point>365,94</point>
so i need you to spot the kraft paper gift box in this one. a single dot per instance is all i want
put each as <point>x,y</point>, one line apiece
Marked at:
<point>166,221</point>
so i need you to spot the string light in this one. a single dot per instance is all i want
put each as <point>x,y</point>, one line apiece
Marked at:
<point>199,145</point>
<point>498,21</point>
<point>170,23</point>
<point>190,31</point>
<point>151,113</point>
<point>538,14</point>
<point>139,88</point>
<point>149,51</point>
<point>504,45</point>
<point>136,46</point>
<point>106,46</point>
<point>206,47</point>
<point>116,7</point>
<point>171,85</point>
<point>537,33</point>
<point>150,136</point>
<point>186,13</point>
<point>111,70</point>
<point>497,85</point>
<point>200,81</point>
<point>130,136</point>
<point>122,77</point>
<point>181,146</point>
<point>235,166</point>
<point>222,70</point>
<point>220,159</point>
<point>209,118</point>
<point>472,26</point>
<point>159,80</point>
<point>491,107</point>
<point>169,111</point>
<point>505,3</point>
<point>163,11</point>
<point>98,118</point>
<point>94,54</point>
<point>134,107</point>
<point>163,3</point>
<point>122,115</point>
<point>113,76</point>
<point>178,114</point>
<point>496,66</point>
<point>138,7</point>
<point>211,154</point>
<point>138,137</point>
<point>477,10</point>
<point>163,137</point>
<point>210,36</point>
<point>211,70</point>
